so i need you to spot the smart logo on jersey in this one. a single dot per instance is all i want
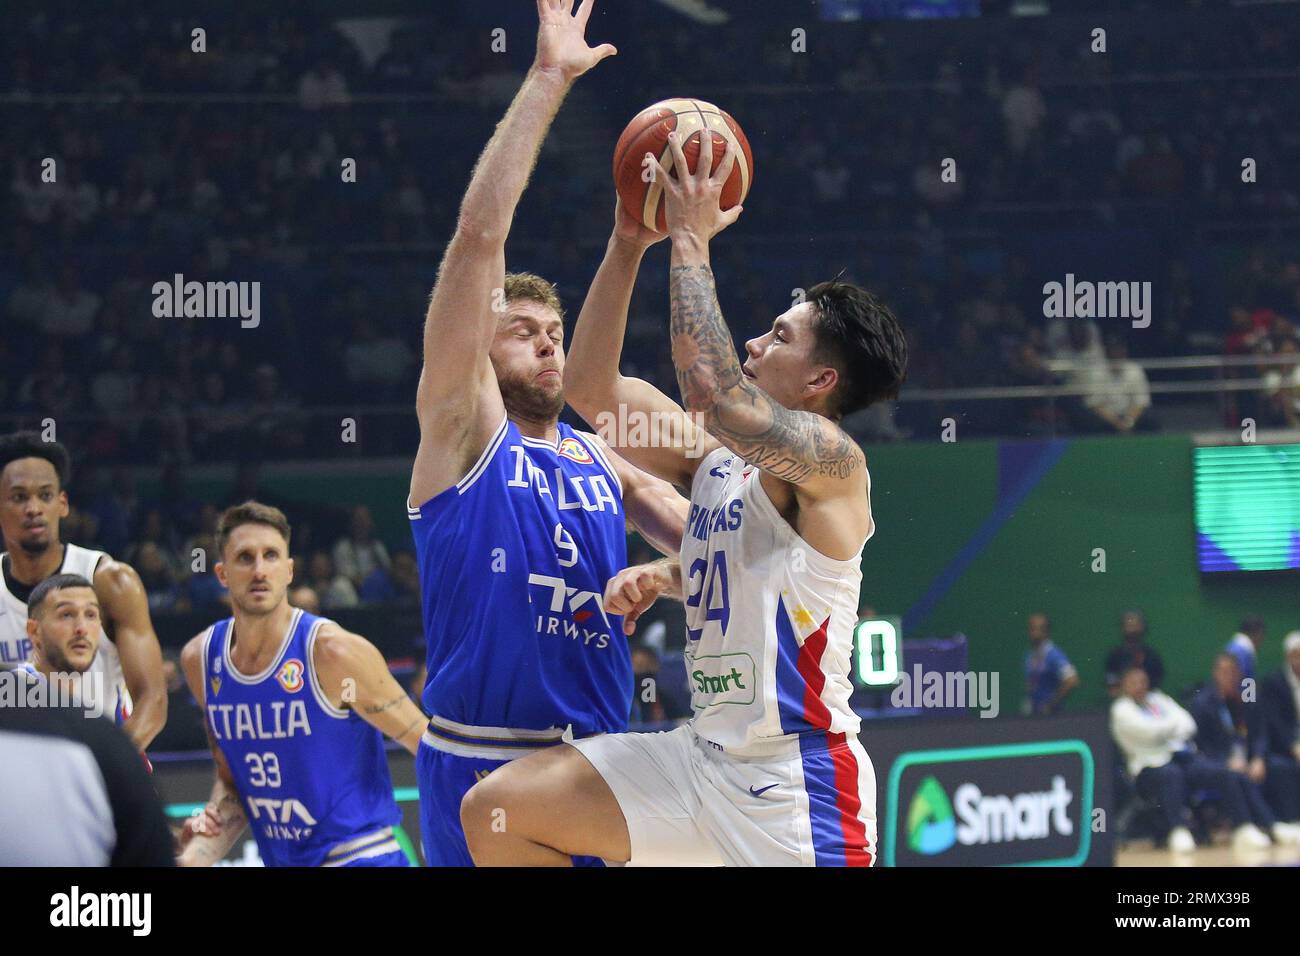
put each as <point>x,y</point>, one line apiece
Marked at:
<point>572,448</point>
<point>722,679</point>
<point>290,675</point>
<point>216,685</point>
<point>931,828</point>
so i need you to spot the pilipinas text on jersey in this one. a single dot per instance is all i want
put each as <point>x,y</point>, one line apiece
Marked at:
<point>513,564</point>
<point>311,777</point>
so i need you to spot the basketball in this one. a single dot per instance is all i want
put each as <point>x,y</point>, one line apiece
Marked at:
<point>648,133</point>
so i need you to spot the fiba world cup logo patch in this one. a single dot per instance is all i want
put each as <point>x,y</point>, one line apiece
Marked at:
<point>290,675</point>
<point>572,448</point>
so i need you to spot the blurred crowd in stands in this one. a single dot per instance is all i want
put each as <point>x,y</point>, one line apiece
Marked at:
<point>226,166</point>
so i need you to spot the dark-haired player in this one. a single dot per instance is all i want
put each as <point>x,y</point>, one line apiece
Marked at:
<point>33,477</point>
<point>768,771</point>
<point>295,709</point>
<point>64,624</point>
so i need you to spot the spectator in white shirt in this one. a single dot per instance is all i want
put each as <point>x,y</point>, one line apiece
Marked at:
<point>374,362</point>
<point>334,589</point>
<point>1077,341</point>
<point>322,86</point>
<point>28,300</point>
<point>1156,736</point>
<point>113,390</point>
<point>1023,110</point>
<point>359,553</point>
<point>1121,395</point>
<point>1282,385</point>
<point>70,310</point>
<point>831,180</point>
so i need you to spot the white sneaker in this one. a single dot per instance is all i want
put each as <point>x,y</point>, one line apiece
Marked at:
<point>1181,840</point>
<point>1250,837</point>
<point>1287,833</point>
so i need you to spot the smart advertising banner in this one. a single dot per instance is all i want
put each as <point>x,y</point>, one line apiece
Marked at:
<point>997,792</point>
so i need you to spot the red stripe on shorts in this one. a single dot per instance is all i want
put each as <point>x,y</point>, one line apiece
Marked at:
<point>847,799</point>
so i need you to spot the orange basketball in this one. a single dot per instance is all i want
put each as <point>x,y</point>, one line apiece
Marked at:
<point>648,133</point>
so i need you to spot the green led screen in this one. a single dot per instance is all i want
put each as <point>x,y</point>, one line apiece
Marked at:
<point>1247,500</point>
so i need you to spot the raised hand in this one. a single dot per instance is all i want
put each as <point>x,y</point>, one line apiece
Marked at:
<point>205,822</point>
<point>692,200</point>
<point>629,229</point>
<point>561,39</point>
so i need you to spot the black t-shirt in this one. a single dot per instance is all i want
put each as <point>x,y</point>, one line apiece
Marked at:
<point>91,790</point>
<point>1144,655</point>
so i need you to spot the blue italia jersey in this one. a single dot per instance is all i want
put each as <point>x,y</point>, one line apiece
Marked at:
<point>514,559</point>
<point>313,779</point>
<point>1045,669</point>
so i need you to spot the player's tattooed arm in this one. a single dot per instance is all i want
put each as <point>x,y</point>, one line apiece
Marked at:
<point>353,674</point>
<point>795,446</point>
<point>208,837</point>
<point>386,705</point>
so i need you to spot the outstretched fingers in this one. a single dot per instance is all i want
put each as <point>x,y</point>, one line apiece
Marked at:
<point>657,173</point>
<point>704,161</point>
<point>725,167</point>
<point>679,157</point>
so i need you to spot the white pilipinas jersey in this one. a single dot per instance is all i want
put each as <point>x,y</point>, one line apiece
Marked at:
<point>16,646</point>
<point>769,619</point>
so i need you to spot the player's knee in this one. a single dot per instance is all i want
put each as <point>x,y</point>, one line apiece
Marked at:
<point>483,806</point>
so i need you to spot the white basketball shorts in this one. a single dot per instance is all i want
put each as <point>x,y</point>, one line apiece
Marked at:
<point>687,803</point>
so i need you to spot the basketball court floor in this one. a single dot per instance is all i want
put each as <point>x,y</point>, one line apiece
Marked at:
<point>1142,853</point>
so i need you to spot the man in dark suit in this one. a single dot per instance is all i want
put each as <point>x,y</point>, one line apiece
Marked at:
<point>1133,651</point>
<point>1279,703</point>
<point>1230,731</point>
